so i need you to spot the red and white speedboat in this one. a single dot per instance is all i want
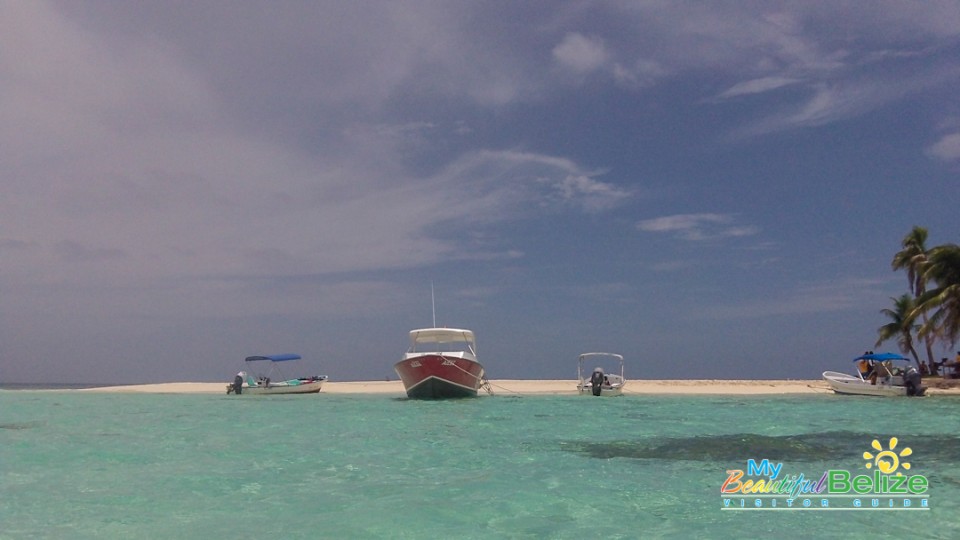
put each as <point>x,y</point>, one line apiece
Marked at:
<point>441,363</point>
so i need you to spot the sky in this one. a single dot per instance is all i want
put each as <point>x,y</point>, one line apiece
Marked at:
<point>711,189</point>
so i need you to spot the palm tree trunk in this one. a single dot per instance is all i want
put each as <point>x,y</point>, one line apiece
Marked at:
<point>927,342</point>
<point>916,357</point>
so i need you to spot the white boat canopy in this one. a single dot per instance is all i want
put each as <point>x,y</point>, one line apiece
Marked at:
<point>584,356</point>
<point>441,335</point>
<point>597,355</point>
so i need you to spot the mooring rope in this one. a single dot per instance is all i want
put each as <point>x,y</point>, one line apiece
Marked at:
<point>484,382</point>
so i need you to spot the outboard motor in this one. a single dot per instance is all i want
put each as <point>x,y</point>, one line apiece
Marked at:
<point>596,381</point>
<point>238,384</point>
<point>912,380</point>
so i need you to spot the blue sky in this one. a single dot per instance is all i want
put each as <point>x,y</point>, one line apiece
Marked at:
<point>712,189</point>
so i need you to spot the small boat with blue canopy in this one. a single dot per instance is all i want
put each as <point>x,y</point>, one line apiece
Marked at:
<point>264,383</point>
<point>878,374</point>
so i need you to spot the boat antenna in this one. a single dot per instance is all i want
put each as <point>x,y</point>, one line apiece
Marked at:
<point>433,305</point>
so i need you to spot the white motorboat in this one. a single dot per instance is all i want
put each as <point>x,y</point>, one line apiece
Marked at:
<point>600,382</point>
<point>877,375</point>
<point>245,383</point>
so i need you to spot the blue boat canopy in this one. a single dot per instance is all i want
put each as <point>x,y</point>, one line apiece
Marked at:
<point>274,357</point>
<point>881,357</point>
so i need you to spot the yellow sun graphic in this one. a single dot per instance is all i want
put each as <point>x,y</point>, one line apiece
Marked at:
<point>887,461</point>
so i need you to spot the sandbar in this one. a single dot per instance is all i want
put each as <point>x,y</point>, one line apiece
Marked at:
<point>514,387</point>
<point>543,387</point>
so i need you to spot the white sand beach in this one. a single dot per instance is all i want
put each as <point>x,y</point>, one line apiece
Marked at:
<point>535,387</point>
<point>514,386</point>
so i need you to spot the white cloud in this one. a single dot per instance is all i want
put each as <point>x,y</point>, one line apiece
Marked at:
<point>681,222</point>
<point>127,164</point>
<point>697,227</point>
<point>757,86</point>
<point>642,73</point>
<point>580,53</point>
<point>505,179</point>
<point>588,193</point>
<point>831,102</point>
<point>776,46</point>
<point>947,148</point>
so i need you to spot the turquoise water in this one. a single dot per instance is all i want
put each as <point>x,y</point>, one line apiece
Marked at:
<point>83,465</point>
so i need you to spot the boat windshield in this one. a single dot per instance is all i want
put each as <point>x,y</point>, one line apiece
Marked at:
<point>442,340</point>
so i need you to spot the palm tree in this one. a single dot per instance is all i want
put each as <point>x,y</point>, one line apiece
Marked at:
<point>943,269</point>
<point>901,325</point>
<point>914,259</point>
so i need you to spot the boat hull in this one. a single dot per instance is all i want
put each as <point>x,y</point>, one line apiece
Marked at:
<point>433,376</point>
<point>586,389</point>
<point>842,383</point>
<point>280,388</point>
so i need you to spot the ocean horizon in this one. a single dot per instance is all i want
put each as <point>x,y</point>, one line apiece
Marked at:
<point>92,465</point>
<point>51,386</point>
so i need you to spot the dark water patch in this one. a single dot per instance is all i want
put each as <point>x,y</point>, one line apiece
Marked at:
<point>809,447</point>
<point>639,416</point>
<point>18,425</point>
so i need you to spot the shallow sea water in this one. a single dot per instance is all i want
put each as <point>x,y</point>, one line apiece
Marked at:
<point>85,465</point>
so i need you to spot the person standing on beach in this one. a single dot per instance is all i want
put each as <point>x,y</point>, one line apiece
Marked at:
<point>238,382</point>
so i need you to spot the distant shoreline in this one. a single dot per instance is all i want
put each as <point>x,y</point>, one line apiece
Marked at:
<point>504,387</point>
